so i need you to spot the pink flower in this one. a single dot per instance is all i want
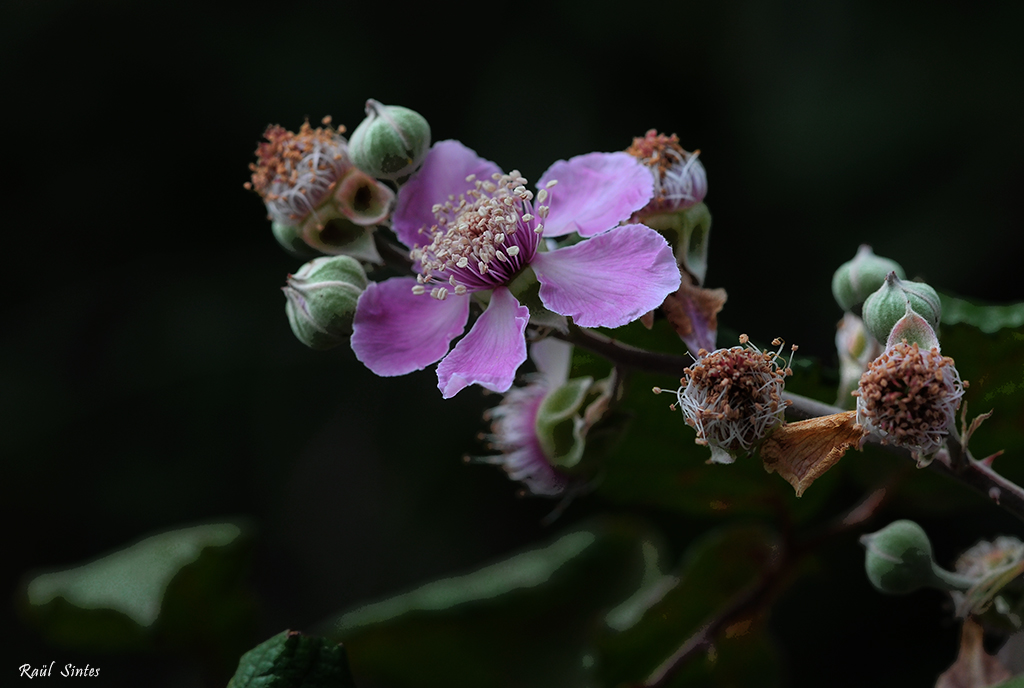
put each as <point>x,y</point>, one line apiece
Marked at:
<point>474,230</point>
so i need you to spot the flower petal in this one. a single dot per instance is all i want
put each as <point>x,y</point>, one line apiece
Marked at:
<point>554,360</point>
<point>595,192</point>
<point>396,332</point>
<point>443,174</point>
<point>609,280</point>
<point>492,351</point>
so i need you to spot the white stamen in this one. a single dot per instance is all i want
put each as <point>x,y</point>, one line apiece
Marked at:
<point>419,289</point>
<point>550,183</point>
<point>512,251</point>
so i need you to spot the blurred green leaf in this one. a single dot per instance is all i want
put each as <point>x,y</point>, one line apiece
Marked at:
<point>986,318</point>
<point>715,569</point>
<point>180,588</point>
<point>527,620</point>
<point>994,366</point>
<point>293,660</point>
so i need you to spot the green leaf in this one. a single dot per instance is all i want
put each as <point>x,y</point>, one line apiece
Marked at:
<point>986,318</point>
<point>546,600</point>
<point>180,588</point>
<point>716,568</point>
<point>293,660</point>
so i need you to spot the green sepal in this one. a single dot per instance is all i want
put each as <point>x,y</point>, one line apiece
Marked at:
<point>293,660</point>
<point>558,425</point>
<point>687,231</point>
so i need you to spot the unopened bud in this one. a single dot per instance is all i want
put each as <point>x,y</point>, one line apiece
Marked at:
<point>899,561</point>
<point>322,298</point>
<point>391,142</point>
<point>857,279</point>
<point>888,304</point>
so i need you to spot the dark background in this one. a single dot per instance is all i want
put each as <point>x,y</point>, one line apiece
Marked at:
<point>149,377</point>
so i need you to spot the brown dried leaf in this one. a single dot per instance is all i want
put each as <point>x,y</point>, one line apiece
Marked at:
<point>803,451</point>
<point>693,313</point>
<point>973,668</point>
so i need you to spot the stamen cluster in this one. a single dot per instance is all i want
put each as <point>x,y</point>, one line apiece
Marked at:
<point>680,180</point>
<point>733,397</point>
<point>908,397</point>
<point>295,173</point>
<point>483,239</point>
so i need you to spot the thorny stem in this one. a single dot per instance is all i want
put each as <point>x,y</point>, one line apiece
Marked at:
<point>958,463</point>
<point>751,602</point>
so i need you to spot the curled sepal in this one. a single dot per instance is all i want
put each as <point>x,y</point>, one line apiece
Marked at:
<point>912,329</point>
<point>857,279</point>
<point>899,561</point>
<point>334,234</point>
<point>693,313</point>
<point>559,427</point>
<point>888,304</point>
<point>362,199</point>
<point>801,452</point>
<point>391,142</point>
<point>322,299</point>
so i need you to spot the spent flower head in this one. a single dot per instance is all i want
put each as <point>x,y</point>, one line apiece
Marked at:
<point>313,192</point>
<point>909,395</point>
<point>733,397</point>
<point>475,233</point>
<point>680,180</point>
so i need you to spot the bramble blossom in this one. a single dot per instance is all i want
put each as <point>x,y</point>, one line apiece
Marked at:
<point>473,230</point>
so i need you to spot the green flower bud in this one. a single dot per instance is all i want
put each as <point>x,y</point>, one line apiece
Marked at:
<point>884,308</point>
<point>857,279</point>
<point>391,142</point>
<point>899,561</point>
<point>322,298</point>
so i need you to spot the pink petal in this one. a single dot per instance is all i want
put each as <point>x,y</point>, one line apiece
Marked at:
<point>595,192</point>
<point>396,332</point>
<point>492,351</point>
<point>443,173</point>
<point>610,279</point>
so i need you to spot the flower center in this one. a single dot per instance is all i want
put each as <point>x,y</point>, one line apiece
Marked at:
<point>481,240</point>
<point>295,173</point>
